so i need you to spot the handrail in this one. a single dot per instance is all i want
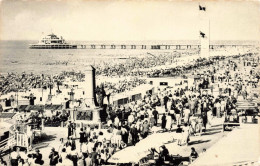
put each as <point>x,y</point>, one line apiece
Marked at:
<point>3,148</point>
<point>2,142</point>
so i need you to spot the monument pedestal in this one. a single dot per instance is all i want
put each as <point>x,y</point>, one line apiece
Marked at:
<point>90,116</point>
<point>88,113</point>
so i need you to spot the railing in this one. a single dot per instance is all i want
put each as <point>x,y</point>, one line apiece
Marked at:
<point>7,144</point>
<point>21,140</point>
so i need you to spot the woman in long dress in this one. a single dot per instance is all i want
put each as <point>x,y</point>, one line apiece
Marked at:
<point>168,122</point>
<point>63,160</point>
<point>199,125</point>
<point>118,136</point>
<point>114,136</point>
<point>185,134</point>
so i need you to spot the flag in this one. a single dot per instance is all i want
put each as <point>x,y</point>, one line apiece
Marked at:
<point>202,34</point>
<point>202,8</point>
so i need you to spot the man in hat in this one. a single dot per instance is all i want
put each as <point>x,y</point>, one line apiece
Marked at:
<point>54,156</point>
<point>38,157</point>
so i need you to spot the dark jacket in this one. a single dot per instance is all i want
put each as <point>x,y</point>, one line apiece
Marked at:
<point>54,156</point>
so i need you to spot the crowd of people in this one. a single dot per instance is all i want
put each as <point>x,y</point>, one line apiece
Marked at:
<point>12,82</point>
<point>123,85</point>
<point>189,110</point>
<point>134,66</point>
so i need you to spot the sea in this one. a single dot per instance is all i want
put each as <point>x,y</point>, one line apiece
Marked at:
<point>16,57</point>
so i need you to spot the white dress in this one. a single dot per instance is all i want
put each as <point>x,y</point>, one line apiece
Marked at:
<point>65,160</point>
<point>168,122</point>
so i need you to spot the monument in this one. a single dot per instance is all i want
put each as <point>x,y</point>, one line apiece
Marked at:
<point>88,111</point>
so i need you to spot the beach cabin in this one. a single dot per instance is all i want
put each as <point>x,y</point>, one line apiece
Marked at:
<point>165,81</point>
<point>6,116</point>
<point>4,137</point>
<point>134,95</point>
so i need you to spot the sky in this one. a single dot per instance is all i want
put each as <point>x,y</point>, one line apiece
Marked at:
<point>127,20</point>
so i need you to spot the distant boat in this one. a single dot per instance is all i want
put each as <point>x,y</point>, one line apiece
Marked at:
<point>51,41</point>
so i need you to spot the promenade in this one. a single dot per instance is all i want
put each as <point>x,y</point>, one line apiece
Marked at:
<point>155,140</point>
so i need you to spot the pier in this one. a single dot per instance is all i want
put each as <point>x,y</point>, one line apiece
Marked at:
<point>154,47</point>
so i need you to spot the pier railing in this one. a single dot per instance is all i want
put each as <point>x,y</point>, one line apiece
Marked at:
<point>153,47</point>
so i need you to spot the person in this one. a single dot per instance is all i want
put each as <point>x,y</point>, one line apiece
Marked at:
<point>199,125</point>
<point>185,134</point>
<point>63,159</point>
<point>116,121</point>
<point>194,155</point>
<point>177,111</point>
<point>90,146</point>
<point>209,117</point>
<point>84,149</point>
<point>30,159</point>
<point>124,133</point>
<point>133,136</point>
<point>82,136</point>
<point>94,156</point>
<point>165,100</point>
<point>88,160</point>
<point>193,124</point>
<point>38,157</point>
<point>204,120</point>
<point>118,136</point>
<point>62,145</point>
<point>99,161</point>
<point>168,125</point>
<point>130,119</point>
<point>122,145</point>
<point>20,162</point>
<point>163,122</point>
<point>26,163</point>
<point>186,112</point>
<point>81,161</point>
<point>74,133</point>
<point>14,156</point>
<point>222,106</point>
<point>155,116</point>
<point>70,129</point>
<point>54,156</point>
<point>179,134</point>
<point>74,156</point>
<point>73,144</point>
<point>24,155</point>
<point>164,153</point>
<point>192,104</point>
<point>88,130</point>
<point>218,106</point>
